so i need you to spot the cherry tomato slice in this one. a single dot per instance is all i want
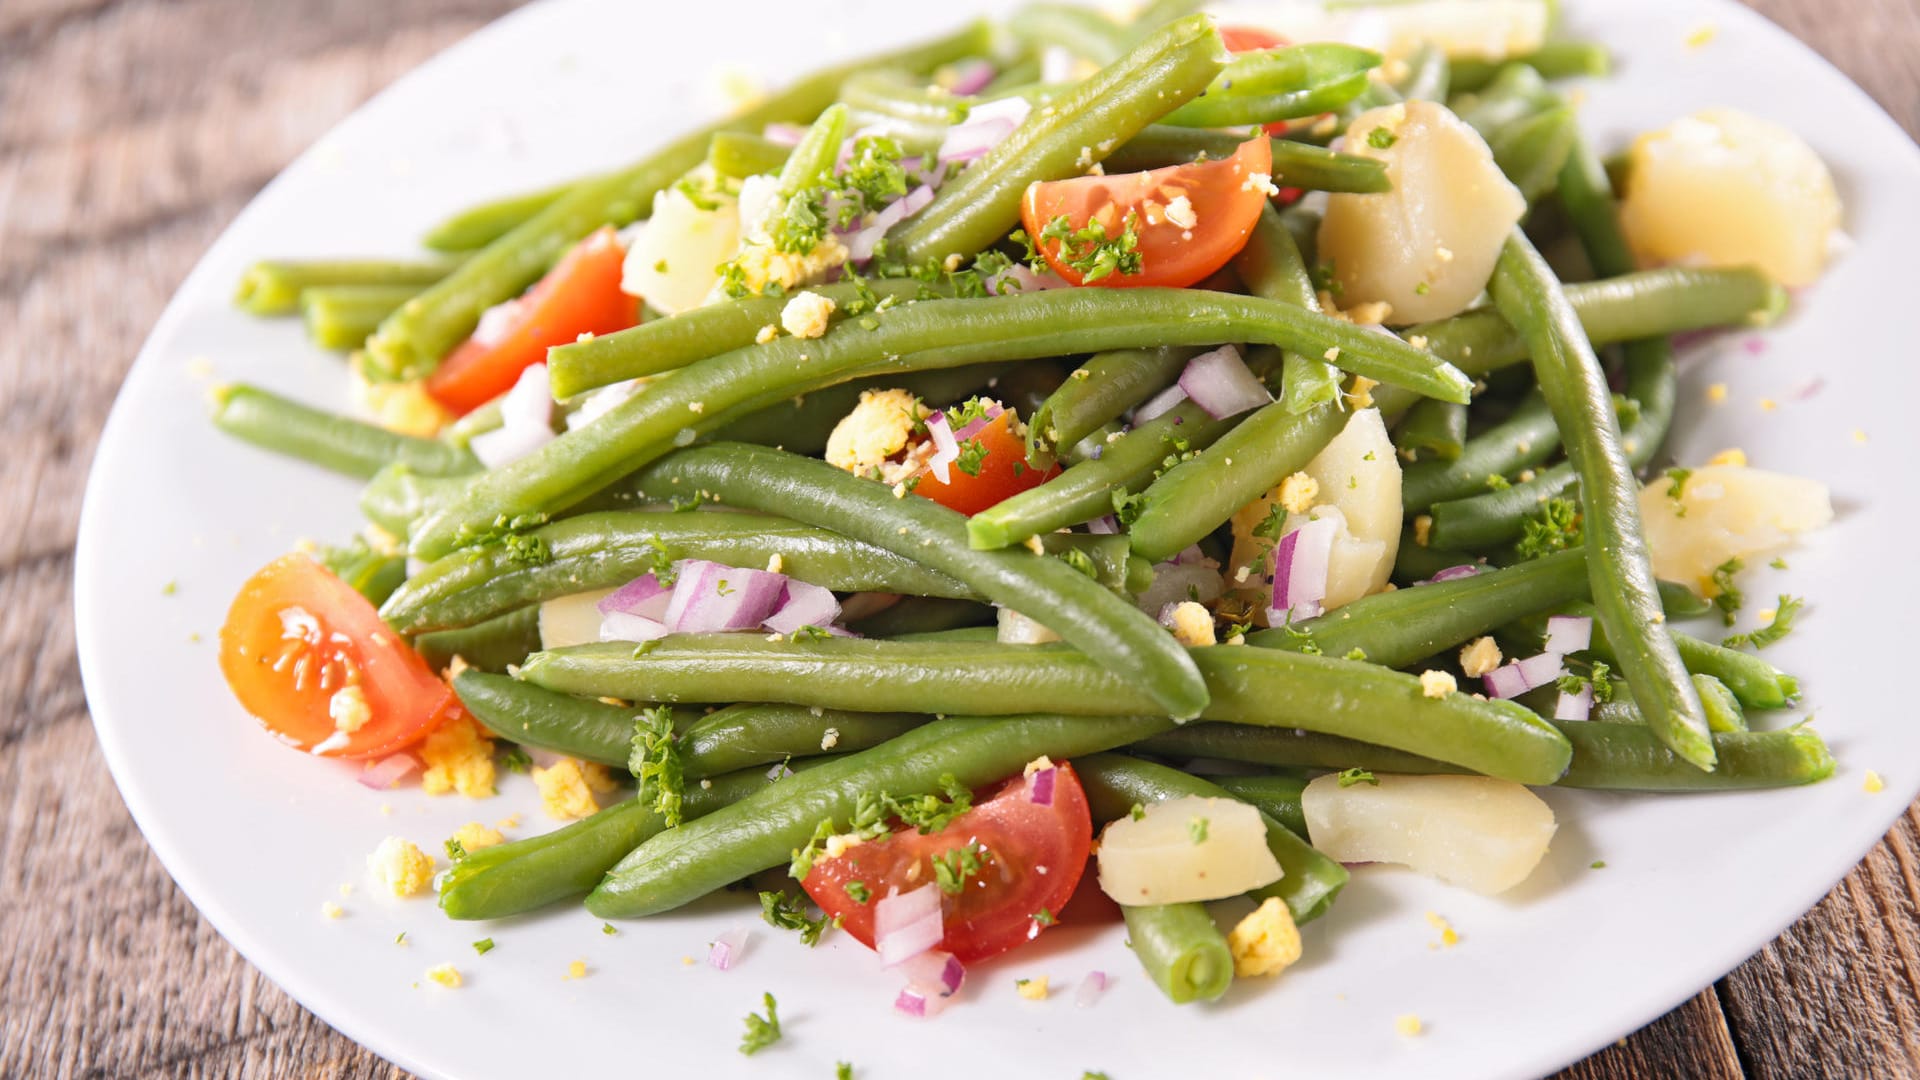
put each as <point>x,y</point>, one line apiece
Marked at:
<point>297,636</point>
<point>1239,39</point>
<point>1032,857</point>
<point>1003,472</point>
<point>1179,244</point>
<point>580,295</point>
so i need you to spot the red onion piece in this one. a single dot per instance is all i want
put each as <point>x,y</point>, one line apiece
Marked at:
<point>1174,582</point>
<point>1453,572</point>
<point>497,322</point>
<point>784,134</point>
<point>1159,403</point>
<point>946,449</point>
<point>388,771</point>
<point>1512,680</point>
<point>972,76</point>
<point>526,421</point>
<point>860,243</point>
<point>643,596</point>
<point>1090,989</point>
<point>1021,278</point>
<point>1104,526</point>
<point>1300,564</point>
<point>1219,382</point>
<point>934,973</point>
<point>1543,669</point>
<point>728,948</point>
<point>907,924</point>
<point>803,605</point>
<point>622,626</point>
<point>1568,634</point>
<point>1040,792</point>
<point>712,597</point>
<point>978,425</point>
<point>1574,706</point>
<point>912,1003</point>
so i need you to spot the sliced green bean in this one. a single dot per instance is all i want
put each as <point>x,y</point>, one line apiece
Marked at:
<point>397,497</point>
<point>1432,430</point>
<point>1263,687</point>
<point>1048,590</point>
<point>1182,950</point>
<point>1552,60</point>
<point>1101,390</point>
<point>578,727</point>
<point>1723,709</point>
<point>494,645</point>
<point>373,574</point>
<point>477,226</point>
<point>763,830</point>
<point>1284,748</point>
<point>1280,84</point>
<point>1295,164</point>
<point>1278,797</point>
<point>814,156</point>
<point>1516,93</point>
<point>975,209</point>
<point>1524,439</point>
<point>804,424</point>
<point>1754,682</point>
<point>1082,31</point>
<point>274,286</point>
<point>742,736</point>
<point>1429,75</point>
<point>1272,266</point>
<point>342,316</point>
<point>1533,150</point>
<point>345,445</point>
<point>1115,783</point>
<point>923,615</point>
<point>1628,757</point>
<point>740,154</point>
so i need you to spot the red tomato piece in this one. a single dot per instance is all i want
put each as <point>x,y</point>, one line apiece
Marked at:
<point>1239,39</point>
<point>1003,472</point>
<point>296,636</point>
<point>580,295</point>
<point>1032,857</point>
<point>1222,204</point>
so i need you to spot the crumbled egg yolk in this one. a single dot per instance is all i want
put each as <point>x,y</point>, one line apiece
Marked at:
<point>875,430</point>
<point>762,264</point>
<point>446,975</point>
<point>767,333</point>
<point>1448,935</point>
<point>348,709</point>
<point>806,315</point>
<point>459,757</point>
<point>1297,493</point>
<point>1437,684</point>
<point>1873,783</point>
<point>1408,1025</point>
<point>1039,764</point>
<point>1717,393</point>
<point>473,836</point>
<point>565,790</point>
<point>1422,529</point>
<point>1730,456</point>
<point>577,969</point>
<point>1034,989</point>
<point>405,407</point>
<point>1361,394</point>
<point>1480,656</point>
<point>401,866</point>
<point>1266,942</point>
<point>332,910</point>
<point>1191,623</point>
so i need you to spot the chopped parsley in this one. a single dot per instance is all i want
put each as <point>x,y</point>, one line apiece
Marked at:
<point>483,946</point>
<point>1380,138</point>
<point>1127,508</point>
<point>1136,811</point>
<point>517,760</point>
<point>968,411</point>
<point>1556,527</point>
<point>722,587</point>
<point>607,929</point>
<point>1598,680</point>
<point>1356,653</point>
<point>785,911</point>
<point>1676,490</point>
<point>1091,252</point>
<point>842,1070</point>
<point>400,938</point>
<point>809,632</point>
<point>1778,627</point>
<point>1197,829</point>
<point>1302,639</point>
<point>1044,917</point>
<point>1274,525</point>
<point>1080,561</point>
<point>1496,482</point>
<point>510,535</point>
<point>456,851</point>
<point>874,813</point>
<point>1350,777</point>
<point>973,454</point>
<point>952,868</point>
<point>761,1032</point>
<point>1422,289</point>
<point>1726,596</point>
<point>857,891</point>
<point>1778,563</point>
<point>655,761</point>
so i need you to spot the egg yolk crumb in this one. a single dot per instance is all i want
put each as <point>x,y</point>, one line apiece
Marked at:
<point>1266,942</point>
<point>459,757</point>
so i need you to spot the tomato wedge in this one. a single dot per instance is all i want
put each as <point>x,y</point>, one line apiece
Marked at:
<point>1239,39</point>
<point>1179,244</point>
<point>297,636</point>
<point>1032,856</point>
<point>1003,471</point>
<point>580,295</point>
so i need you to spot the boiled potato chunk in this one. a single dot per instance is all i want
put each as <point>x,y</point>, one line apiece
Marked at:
<point>673,264</point>
<point>1474,831</point>
<point>1726,512</point>
<point>1191,848</point>
<point>571,620</point>
<point>1427,247</point>
<point>1721,188</point>
<point>1480,29</point>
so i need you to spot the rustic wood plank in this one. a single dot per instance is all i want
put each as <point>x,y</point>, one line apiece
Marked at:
<point>131,131</point>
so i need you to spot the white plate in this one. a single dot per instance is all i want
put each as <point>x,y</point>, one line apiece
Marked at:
<point>260,837</point>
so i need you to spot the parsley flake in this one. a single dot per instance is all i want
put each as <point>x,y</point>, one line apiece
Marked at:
<point>761,1032</point>
<point>1556,527</point>
<point>1726,596</point>
<point>656,762</point>
<point>1778,627</point>
<point>1197,829</point>
<point>786,911</point>
<point>1350,777</point>
<point>952,868</point>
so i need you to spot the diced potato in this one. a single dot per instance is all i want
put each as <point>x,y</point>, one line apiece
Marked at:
<point>1484,834</point>
<point>1726,512</point>
<point>1017,629</point>
<point>1721,188</point>
<point>571,620</point>
<point>1191,848</point>
<point>672,264</point>
<point>1427,247</point>
<point>1358,481</point>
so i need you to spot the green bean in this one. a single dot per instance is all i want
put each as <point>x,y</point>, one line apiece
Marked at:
<point>1755,683</point>
<point>1278,797</point>
<point>1101,390</point>
<point>397,497</point>
<point>1088,489</point>
<point>740,154</point>
<point>1272,266</point>
<point>1629,757</point>
<point>804,424</point>
<point>1158,13</point>
<point>1723,709</point>
<point>894,95</point>
<point>1575,387</point>
<point>1109,628</point>
<point>274,286</point>
<point>1182,950</point>
<point>373,574</point>
<point>1432,431</point>
<point>1295,164</point>
<point>1552,60</point>
<point>742,736</point>
<point>1263,687</point>
<point>1284,748</point>
<point>1516,93</point>
<point>1532,151</point>
<point>412,341</point>
<point>524,875</point>
<point>578,727</point>
<point>763,830</point>
<point>923,615</point>
<point>1084,32</point>
<point>958,633</point>
<point>1404,626</point>
<point>342,316</point>
<point>919,336</point>
<point>1280,84</point>
<point>813,157</point>
<point>1524,439</point>
<point>1200,493</point>
<point>1115,783</point>
<point>494,645</point>
<point>347,446</point>
<point>975,209</point>
<point>477,226</point>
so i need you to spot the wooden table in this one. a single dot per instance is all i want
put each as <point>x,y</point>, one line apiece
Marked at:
<point>131,132</point>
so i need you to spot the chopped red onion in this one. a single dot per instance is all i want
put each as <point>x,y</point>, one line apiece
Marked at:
<point>1512,680</point>
<point>1090,989</point>
<point>643,596</point>
<point>601,402</point>
<point>907,924</point>
<point>497,322</point>
<point>1104,526</point>
<point>1040,792</point>
<point>934,973</point>
<point>784,134</point>
<point>1159,403</point>
<point>711,597</point>
<point>1219,382</point>
<point>946,449</point>
<point>727,948</point>
<point>1174,582</point>
<point>1453,572</point>
<point>1754,344</point>
<point>1300,564</point>
<point>622,626</point>
<point>388,771</point>
<point>526,421</point>
<point>972,76</point>
<point>985,127</point>
<point>911,1002</point>
<point>860,244</point>
<point>1568,634</point>
<point>1574,706</point>
<point>1809,388</point>
<point>1056,65</point>
<point>1021,278</point>
<point>803,605</point>
<point>979,424</point>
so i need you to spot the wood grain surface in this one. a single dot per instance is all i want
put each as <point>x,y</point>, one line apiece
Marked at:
<point>131,132</point>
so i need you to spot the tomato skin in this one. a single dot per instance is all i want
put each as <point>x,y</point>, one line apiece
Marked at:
<point>1004,472</point>
<point>296,635</point>
<point>1240,39</point>
<point>580,295</point>
<point>1035,856</point>
<point>1224,204</point>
